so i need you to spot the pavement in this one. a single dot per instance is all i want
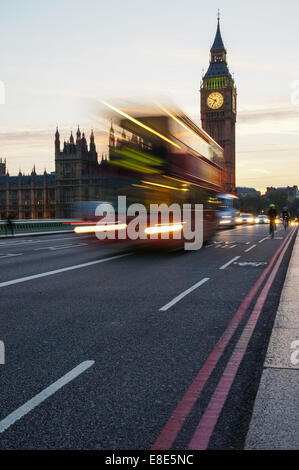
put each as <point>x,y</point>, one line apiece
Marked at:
<point>111,347</point>
<point>34,234</point>
<point>275,420</point>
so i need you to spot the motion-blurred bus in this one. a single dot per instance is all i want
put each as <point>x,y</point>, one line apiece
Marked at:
<point>163,157</point>
<point>229,210</point>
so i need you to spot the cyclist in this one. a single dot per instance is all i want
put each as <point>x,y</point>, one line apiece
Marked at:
<point>272,216</point>
<point>285,217</point>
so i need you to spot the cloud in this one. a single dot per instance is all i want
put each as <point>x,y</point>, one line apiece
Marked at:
<point>270,150</point>
<point>268,114</point>
<point>258,170</point>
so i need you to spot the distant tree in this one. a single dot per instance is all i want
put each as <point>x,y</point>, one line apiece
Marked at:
<point>252,203</point>
<point>278,197</point>
<point>294,208</point>
<point>258,204</point>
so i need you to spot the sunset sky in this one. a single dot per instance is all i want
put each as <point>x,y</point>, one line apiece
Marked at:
<point>59,57</point>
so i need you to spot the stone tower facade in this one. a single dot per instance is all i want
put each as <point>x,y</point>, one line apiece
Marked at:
<point>219,108</point>
<point>77,172</point>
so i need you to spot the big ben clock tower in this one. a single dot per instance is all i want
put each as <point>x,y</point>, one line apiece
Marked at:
<point>218,107</point>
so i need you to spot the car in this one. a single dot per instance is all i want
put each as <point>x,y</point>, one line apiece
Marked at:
<point>262,219</point>
<point>245,219</point>
<point>293,222</point>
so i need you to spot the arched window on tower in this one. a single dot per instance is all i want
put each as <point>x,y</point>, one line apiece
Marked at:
<point>67,170</point>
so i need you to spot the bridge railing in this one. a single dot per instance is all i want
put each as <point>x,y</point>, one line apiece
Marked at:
<point>35,226</point>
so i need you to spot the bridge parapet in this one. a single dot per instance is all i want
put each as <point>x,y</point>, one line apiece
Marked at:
<point>35,226</point>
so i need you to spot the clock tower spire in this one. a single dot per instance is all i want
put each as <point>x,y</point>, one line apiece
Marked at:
<point>218,106</point>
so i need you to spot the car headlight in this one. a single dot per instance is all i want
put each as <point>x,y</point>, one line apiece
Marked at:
<point>238,219</point>
<point>257,221</point>
<point>250,219</point>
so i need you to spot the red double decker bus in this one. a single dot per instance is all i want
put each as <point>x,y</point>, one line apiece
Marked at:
<point>162,157</point>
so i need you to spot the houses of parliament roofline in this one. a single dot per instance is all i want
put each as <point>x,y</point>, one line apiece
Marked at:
<point>35,195</point>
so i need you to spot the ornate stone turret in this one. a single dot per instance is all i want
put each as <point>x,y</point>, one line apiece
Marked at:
<point>2,167</point>
<point>92,146</point>
<point>111,136</point>
<point>78,135</point>
<point>218,64</point>
<point>57,142</point>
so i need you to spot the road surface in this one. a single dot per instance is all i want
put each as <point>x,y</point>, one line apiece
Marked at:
<point>107,347</point>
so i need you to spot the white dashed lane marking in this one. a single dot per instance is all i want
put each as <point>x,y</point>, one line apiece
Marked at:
<point>248,249</point>
<point>62,270</point>
<point>229,262</point>
<point>183,294</point>
<point>43,395</point>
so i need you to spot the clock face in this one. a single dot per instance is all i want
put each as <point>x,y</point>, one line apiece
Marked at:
<point>215,100</point>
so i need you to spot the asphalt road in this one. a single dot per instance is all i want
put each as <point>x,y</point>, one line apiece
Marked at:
<point>112,347</point>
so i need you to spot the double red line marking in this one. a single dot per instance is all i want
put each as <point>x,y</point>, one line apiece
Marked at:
<point>205,428</point>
